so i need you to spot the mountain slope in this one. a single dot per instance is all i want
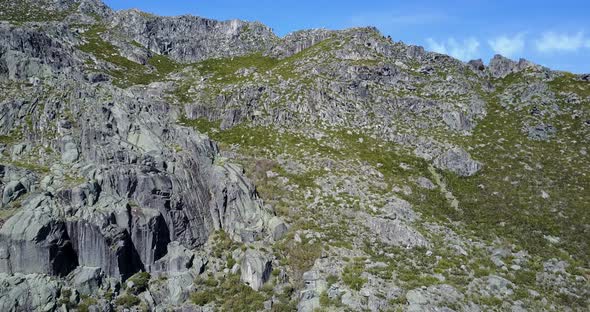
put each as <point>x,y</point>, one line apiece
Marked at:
<point>184,163</point>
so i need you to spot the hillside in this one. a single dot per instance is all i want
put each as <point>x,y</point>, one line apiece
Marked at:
<point>187,164</point>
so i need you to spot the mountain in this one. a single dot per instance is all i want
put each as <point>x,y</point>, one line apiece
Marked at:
<point>187,164</point>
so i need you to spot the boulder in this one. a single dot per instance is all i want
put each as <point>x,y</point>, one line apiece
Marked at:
<point>457,121</point>
<point>277,228</point>
<point>177,259</point>
<point>255,268</point>
<point>540,132</point>
<point>458,161</point>
<point>12,191</point>
<point>86,280</point>
<point>33,292</point>
<point>433,298</point>
<point>425,183</point>
<point>309,297</point>
<point>395,232</point>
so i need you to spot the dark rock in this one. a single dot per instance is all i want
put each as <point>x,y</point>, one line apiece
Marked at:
<point>476,65</point>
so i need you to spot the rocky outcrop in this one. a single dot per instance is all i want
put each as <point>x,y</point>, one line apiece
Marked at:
<point>501,66</point>
<point>396,233</point>
<point>298,41</point>
<point>28,53</point>
<point>86,280</point>
<point>190,38</point>
<point>255,269</point>
<point>32,292</point>
<point>33,241</point>
<point>433,298</point>
<point>136,193</point>
<point>111,189</point>
<point>458,161</point>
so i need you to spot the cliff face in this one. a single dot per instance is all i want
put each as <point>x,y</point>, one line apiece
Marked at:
<point>387,177</point>
<point>189,39</point>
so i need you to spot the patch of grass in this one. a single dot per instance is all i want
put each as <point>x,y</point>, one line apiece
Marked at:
<point>42,169</point>
<point>8,139</point>
<point>299,256</point>
<point>325,300</point>
<point>351,276</point>
<point>223,243</point>
<point>127,301</point>
<point>140,282</point>
<point>85,303</point>
<point>231,295</point>
<point>202,298</point>
<point>202,125</point>
<point>225,70</point>
<point>568,82</point>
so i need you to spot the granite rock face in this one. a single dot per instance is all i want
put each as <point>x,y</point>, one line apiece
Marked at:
<point>256,269</point>
<point>32,292</point>
<point>190,38</point>
<point>124,180</point>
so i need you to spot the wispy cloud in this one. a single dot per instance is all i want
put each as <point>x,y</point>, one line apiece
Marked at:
<point>561,42</point>
<point>508,46</point>
<point>464,50</point>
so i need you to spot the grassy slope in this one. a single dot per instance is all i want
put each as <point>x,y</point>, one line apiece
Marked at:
<point>503,200</point>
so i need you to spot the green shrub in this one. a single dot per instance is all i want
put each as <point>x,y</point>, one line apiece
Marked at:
<point>351,276</point>
<point>127,301</point>
<point>140,282</point>
<point>201,298</point>
<point>230,262</point>
<point>85,304</point>
<point>331,279</point>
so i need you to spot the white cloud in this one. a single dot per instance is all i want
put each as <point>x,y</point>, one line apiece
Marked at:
<point>508,46</point>
<point>464,50</point>
<point>561,42</point>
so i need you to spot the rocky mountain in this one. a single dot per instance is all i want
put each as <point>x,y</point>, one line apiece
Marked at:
<point>155,163</point>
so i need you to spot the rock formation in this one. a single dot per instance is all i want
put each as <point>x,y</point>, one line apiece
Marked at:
<point>187,164</point>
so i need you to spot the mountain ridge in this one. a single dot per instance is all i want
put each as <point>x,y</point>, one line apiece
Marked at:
<point>154,163</point>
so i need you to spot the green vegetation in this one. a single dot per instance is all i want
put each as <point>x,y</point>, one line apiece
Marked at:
<point>201,298</point>
<point>505,198</point>
<point>85,303</point>
<point>8,139</point>
<point>352,275</point>
<point>31,11</point>
<point>127,301</point>
<point>570,83</point>
<point>299,256</point>
<point>231,295</point>
<point>140,282</point>
<point>225,70</point>
<point>331,280</point>
<point>223,243</point>
<point>42,169</point>
<point>326,301</point>
<point>128,73</point>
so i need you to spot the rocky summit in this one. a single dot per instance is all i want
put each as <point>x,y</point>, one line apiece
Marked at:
<point>155,163</point>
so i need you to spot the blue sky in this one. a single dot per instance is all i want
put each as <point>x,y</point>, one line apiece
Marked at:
<point>550,33</point>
